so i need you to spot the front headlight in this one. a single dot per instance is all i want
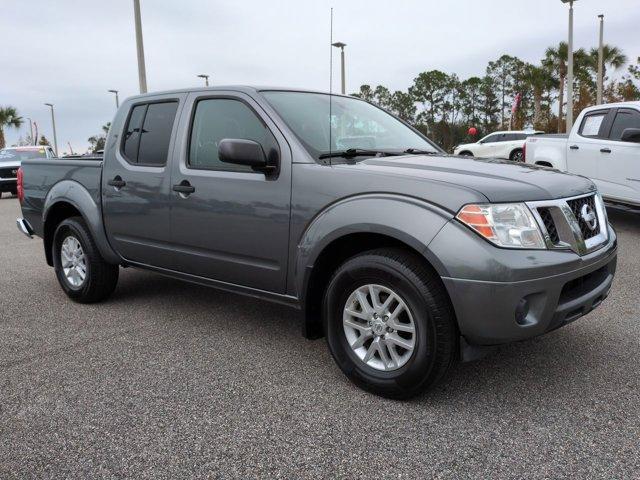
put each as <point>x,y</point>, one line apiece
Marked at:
<point>508,225</point>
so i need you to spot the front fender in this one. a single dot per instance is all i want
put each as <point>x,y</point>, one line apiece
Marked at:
<point>73,193</point>
<point>407,219</point>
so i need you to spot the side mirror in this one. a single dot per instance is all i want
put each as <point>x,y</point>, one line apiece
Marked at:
<point>242,152</point>
<point>631,135</point>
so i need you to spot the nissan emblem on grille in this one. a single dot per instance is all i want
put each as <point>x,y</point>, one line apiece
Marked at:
<point>588,215</point>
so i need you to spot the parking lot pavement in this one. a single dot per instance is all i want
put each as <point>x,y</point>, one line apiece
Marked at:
<point>170,380</point>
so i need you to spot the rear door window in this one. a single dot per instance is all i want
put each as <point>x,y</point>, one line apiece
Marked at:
<point>625,118</point>
<point>148,133</point>
<point>592,124</point>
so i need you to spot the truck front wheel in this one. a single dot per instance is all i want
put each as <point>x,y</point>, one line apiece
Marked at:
<point>389,323</point>
<point>81,271</point>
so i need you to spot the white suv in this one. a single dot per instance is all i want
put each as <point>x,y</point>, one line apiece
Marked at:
<point>497,145</point>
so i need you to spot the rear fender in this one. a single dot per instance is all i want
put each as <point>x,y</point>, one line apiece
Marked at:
<point>78,196</point>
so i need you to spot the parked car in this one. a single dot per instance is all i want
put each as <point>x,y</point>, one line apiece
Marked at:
<point>497,145</point>
<point>10,159</point>
<point>604,145</point>
<point>403,257</point>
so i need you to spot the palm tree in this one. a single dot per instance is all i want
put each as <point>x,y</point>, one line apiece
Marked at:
<point>540,81</point>
<point>555,61</point>
<point>612,57</point>
<point>8,118</point>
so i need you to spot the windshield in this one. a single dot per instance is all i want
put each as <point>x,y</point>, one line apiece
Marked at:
<point>19,154</point>
<point>355,124</point>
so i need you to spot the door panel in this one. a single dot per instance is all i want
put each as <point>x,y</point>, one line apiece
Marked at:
<point>234,225</point>
<point>619,162</point>
<point>583,148</point>
<point>136,180</point>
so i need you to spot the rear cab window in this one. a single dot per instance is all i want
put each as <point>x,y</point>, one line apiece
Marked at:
<point>147,134</point>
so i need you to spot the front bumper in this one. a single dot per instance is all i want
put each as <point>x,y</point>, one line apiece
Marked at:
<point>543,296</point>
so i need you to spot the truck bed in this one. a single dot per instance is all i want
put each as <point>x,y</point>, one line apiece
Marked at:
<point>46,179</point>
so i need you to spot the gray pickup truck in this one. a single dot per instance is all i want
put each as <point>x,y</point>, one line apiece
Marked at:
<point>404,258</point>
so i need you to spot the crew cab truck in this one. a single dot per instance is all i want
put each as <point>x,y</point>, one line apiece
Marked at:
<point>406,259</point>
<point>604,145</point>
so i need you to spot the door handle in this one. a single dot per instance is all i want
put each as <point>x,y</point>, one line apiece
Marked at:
<point>605,150</point>
<point>117,182</point>
<point>184,188</point>
<point>574,147</point>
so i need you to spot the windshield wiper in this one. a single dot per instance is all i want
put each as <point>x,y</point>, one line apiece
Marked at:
<point>357,152</point>
<point>417,151</point>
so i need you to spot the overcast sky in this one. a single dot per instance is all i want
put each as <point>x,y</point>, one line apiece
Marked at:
<point>70,52</point>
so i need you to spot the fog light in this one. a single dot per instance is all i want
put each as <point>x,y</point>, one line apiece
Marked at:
<point>522,310</point>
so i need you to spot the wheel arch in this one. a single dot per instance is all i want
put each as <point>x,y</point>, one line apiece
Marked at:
<point>333,237</point>
<point>67,199</point>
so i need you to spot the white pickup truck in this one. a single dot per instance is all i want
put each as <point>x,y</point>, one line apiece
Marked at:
<point>603,145</point>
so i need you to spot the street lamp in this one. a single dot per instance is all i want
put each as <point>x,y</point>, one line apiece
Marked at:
<point>31,130</point>
<point>206,79</point>
<point>570,67</point>
<point>116,94</point>
<point>601,61</point>
<point>53,122</point>
<point>341,46</point>
<point>142,72</point>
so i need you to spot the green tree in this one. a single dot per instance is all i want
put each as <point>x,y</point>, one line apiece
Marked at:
<point>501,72</point>
<point>612,57</point>
<point>555,62</point>
<point>430,89</point>
<point>97,142</point>
<point>9,118</point>
<point>365,93</point>
<point>540,82</point>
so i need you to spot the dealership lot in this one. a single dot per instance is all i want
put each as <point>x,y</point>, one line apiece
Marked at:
<point>169,380</point>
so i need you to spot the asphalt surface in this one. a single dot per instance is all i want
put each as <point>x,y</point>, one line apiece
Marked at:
<point>171,380</point>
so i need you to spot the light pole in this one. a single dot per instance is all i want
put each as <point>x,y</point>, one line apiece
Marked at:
<point>341,46</point>
<point>601,61</point>
<point>206,79</point>
<point>116,94</point>
<point>570,67</point>
<point>53,122</point>
<point>33,142</point>
<point>142,72</point>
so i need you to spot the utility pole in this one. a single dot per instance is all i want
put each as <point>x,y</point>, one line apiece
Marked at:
<point>570,67</point>
<point>341,46</point>
<point>601,61</point>
<point>53,122</point>
<point>206,79</point>
<point>116,94</point>
<point>142,72</point>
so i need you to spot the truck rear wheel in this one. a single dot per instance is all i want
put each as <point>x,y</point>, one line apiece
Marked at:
<point>82,272</point>
<point>389,323</point>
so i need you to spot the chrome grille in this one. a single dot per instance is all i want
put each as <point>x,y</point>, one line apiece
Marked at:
<point>577,206</point>
<point>549,224</point>
<point>8,172</point>
<point>577,223</point>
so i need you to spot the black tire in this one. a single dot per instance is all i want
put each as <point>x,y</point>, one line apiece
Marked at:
<point>466,154</point>
<point>101,277</point>
<point>436,337</point>
<point>516,155</point>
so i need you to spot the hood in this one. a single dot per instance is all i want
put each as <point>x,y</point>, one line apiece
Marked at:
<point>497,180</point>
<point>465,145</point>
